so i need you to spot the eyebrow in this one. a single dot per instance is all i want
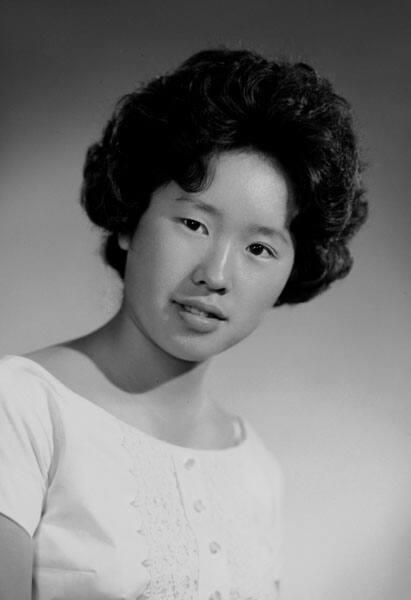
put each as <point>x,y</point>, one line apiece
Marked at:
<point>200,204</point>
<point>212,210</point>
<point>267,231</point>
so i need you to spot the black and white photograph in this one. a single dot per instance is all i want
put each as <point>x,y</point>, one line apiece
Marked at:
<point>205,300</point>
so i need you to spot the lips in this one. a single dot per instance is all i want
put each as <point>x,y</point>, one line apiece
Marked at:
<point>202,309</point>
<point>199,318</point>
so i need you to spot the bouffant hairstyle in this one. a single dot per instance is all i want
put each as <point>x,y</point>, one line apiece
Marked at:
<point>221,100</point>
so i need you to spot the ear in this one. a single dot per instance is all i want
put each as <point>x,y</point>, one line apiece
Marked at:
<point>124,240</point>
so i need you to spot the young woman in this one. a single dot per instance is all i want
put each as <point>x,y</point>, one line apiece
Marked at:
<point>225,188</point>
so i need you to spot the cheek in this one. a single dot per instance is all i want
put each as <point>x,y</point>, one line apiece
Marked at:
<point>157,263</point>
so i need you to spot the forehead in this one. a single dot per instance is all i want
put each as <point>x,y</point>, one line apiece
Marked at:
<point>241,186</point>
<point>255,181</point>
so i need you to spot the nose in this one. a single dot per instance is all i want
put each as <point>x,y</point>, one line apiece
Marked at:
<point>213,270</point>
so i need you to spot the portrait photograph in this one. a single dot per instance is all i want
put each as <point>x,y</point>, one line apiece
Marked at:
<point>205,300</point>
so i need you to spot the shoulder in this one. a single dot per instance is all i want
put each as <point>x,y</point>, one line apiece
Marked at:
<point>36,386</point>
<point>19,376</point>
<point>260,448</point>
<point>266,460</point>
<point>24,393</point>
<point>69,366</point>
<point>54,359</point>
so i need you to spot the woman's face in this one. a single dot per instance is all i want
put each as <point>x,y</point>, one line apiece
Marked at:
<point>203,268</point>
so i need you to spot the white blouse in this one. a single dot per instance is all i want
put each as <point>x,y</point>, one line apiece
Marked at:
<point>117,514</point>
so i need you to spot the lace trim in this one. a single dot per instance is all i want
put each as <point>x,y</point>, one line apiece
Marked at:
<point>235,503</point>
<point>172,557</point>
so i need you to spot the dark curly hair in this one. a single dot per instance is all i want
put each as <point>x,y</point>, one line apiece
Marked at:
<point>220,100</point>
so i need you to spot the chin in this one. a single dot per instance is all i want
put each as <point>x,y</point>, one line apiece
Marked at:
<point>195,351</point>
<point>201,349</point>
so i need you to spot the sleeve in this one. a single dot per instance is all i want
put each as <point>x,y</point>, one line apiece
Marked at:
<point>26,448</point>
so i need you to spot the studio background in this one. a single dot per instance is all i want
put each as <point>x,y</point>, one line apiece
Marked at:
<point>327,384</point>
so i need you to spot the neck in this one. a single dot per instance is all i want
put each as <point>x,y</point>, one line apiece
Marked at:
<point>173,388</point>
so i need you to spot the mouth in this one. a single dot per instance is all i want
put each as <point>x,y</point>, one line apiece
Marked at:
<point>209,313</point>
<point>199,319</point>
<point>200,313</point>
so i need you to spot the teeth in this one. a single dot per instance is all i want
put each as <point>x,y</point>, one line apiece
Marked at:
<point>196,311</point>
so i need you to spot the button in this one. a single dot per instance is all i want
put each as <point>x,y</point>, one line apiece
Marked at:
<point>198,506</point>
<point>214,547</point>
<point>146,562</point>
<point>189,464</point>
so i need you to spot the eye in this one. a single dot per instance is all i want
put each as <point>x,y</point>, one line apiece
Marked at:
<point>194,225</point>
<point>261,250</point>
